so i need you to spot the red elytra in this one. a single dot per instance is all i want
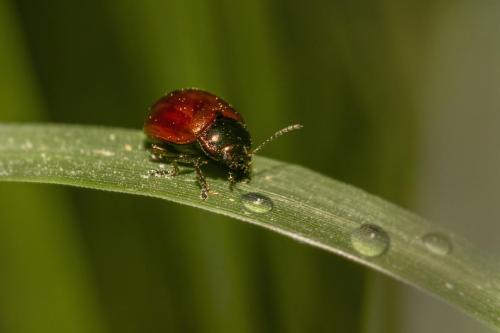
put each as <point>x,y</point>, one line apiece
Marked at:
<point>181,116</point>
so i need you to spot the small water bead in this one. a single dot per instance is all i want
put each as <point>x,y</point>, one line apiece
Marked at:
<point>437,243</point>
<point>256,203</point>
<point>103,152</point>
<point>26,145</point>
<point>370,240</point>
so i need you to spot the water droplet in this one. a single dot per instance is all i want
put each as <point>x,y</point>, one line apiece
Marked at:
<point>27,145</point>
<point>103,152</point>
<point>370,240</point>
<point>256,202</point>
<point>437,243</point>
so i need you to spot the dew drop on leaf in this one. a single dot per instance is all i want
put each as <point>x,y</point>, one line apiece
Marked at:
<point>437,243</point>
<point>256,203</point>
<point>370,240</point>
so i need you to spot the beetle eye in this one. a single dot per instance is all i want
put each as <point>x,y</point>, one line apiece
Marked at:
<point>215,137</point>
<point>227,153</point>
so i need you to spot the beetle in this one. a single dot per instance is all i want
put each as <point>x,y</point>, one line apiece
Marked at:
<point>192,126</point>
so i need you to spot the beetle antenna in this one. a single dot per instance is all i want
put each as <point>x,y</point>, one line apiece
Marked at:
<point>276,135</point>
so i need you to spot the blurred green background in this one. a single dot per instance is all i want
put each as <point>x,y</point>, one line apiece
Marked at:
<point>397,97</point>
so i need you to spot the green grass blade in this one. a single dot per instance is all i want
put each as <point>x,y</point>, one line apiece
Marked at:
<point>307,206</point>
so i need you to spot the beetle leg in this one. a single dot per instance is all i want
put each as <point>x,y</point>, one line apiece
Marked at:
<point>156,152</point>
<point>201,178</point>
<point>175,168</point>
<point>161,154</point>
<point>232,180</point>
<point>197,164</point>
